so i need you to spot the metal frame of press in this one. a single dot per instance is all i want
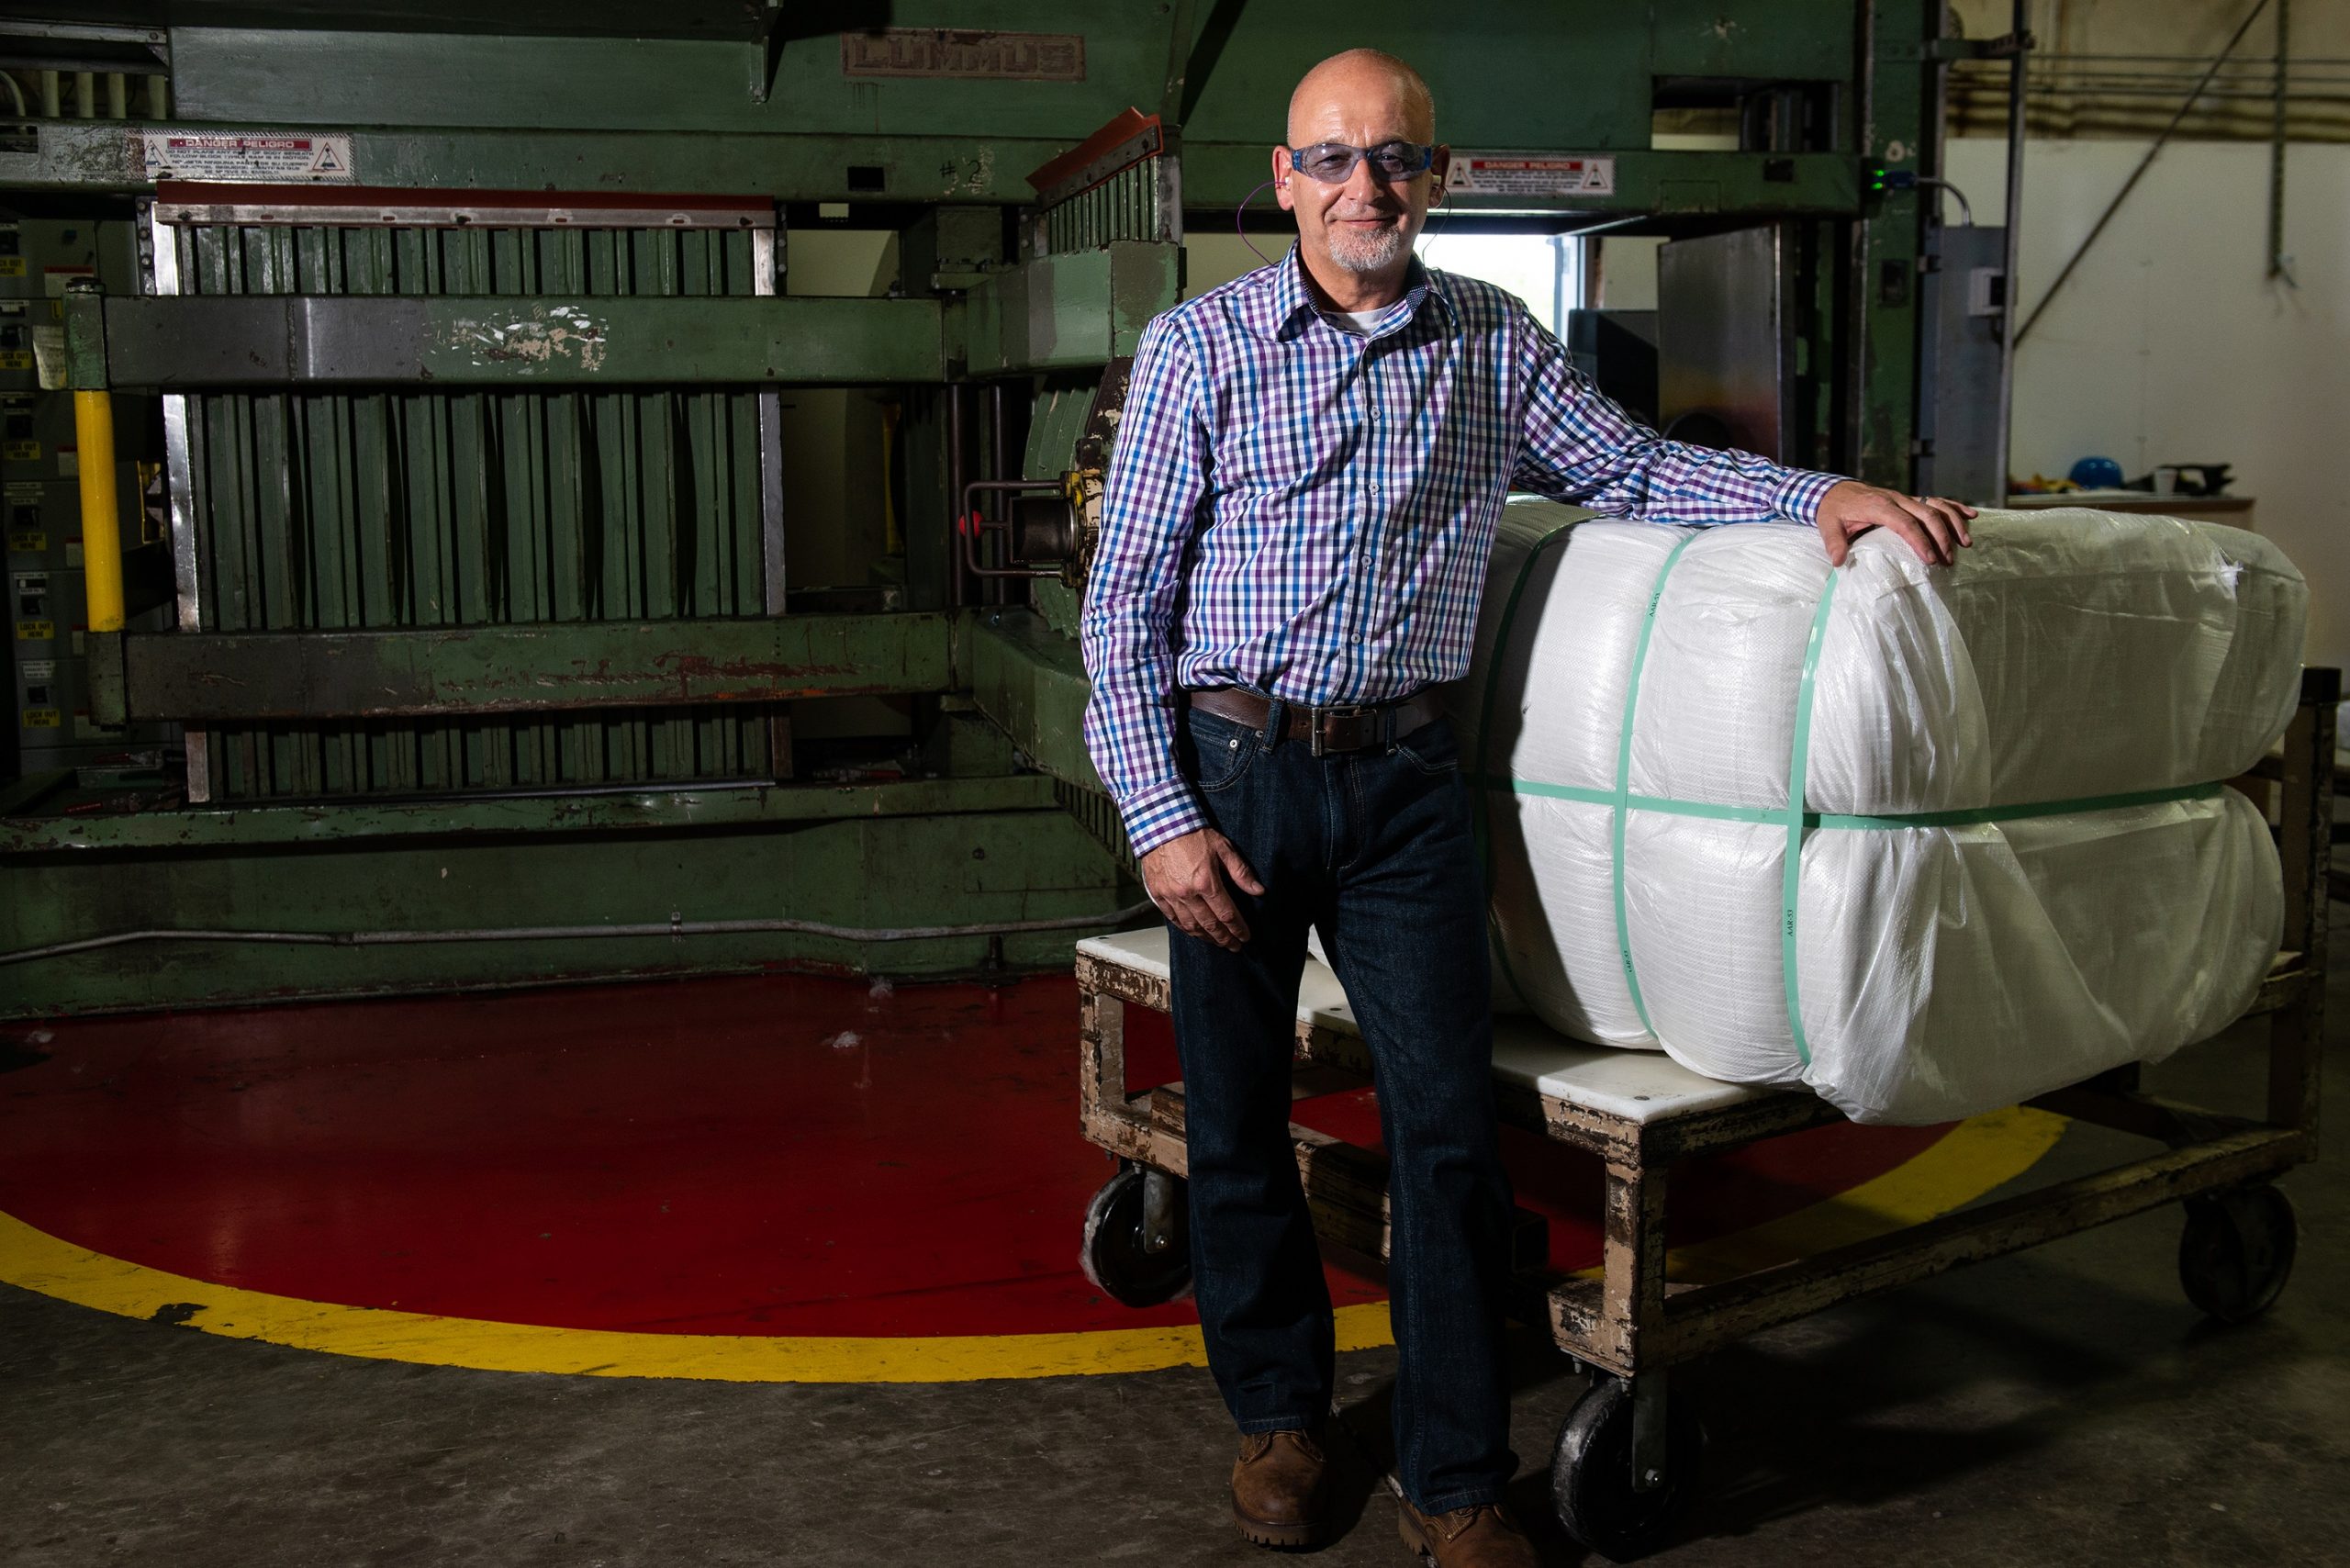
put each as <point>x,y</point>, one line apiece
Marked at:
<point>370,716</point>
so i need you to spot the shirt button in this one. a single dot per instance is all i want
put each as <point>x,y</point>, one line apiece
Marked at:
<point>1374,489</point>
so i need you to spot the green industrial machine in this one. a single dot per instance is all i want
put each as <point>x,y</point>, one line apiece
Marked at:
<point>466,641</point>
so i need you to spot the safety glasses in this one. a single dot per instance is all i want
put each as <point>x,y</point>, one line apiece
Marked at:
<point>1333,162</point>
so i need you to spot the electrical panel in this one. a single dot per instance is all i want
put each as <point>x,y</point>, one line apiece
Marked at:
<point>41,502</point>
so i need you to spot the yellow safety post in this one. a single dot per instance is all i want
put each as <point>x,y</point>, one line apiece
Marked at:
<point>101,519</point>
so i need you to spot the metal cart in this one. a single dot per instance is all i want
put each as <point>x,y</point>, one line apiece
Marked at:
<point>1622,1472</point>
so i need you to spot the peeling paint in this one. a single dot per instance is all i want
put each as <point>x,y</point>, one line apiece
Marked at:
<point>550,333</point>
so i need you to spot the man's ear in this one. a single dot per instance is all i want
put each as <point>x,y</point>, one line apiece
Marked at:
<point>1438,166</point>
<point>1281,177</point>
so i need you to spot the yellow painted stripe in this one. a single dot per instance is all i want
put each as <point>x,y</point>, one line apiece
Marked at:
<point>1975,1157</point>
<point>1978,1155</point>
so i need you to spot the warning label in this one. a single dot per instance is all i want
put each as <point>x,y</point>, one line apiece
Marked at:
<point>36,631</point>
<point>258,158</point>
<point>1479,174</point>
<point>44,719</point>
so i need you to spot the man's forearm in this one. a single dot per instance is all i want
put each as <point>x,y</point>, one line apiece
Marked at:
<point>1129,722</point>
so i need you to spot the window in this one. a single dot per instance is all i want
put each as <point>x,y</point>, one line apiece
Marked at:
<point>1544,270</point>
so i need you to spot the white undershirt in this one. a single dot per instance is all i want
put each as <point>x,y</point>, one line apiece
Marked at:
<point>1360,322</point>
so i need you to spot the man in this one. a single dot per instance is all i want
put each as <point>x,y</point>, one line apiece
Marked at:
<point>1295,540</point>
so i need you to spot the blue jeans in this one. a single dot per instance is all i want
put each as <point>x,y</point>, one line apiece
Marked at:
<point>1375,847</point>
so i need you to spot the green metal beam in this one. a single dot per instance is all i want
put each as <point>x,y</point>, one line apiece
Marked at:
<point>863,872</point>
<point>1760,184</point>
<point>316,340</point>
<point>1067,312</point>
<point>104,155</point>
<point>1898,133</point>
<point>240,677</point>
<point>964,171</point>
<point>651,810</point>
<point>1031,681</point>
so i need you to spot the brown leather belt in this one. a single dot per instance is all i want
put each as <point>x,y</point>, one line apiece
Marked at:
<point>1327,729</point>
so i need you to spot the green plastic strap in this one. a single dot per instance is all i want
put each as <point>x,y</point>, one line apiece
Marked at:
<point>1798,767</point>
<point>1622,800</point>
<point>1970,817</point>
<point>1981,815</point>
<point>1485,734</point>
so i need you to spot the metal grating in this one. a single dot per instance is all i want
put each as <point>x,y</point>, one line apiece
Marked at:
<point>1135,202</point>
<point>1124,183</point>
<point>413,508</point>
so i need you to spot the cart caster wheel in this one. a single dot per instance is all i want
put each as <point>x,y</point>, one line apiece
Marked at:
<point>2237,1251</point>
<point>1118,1256</point>
<point>1591,1473</point>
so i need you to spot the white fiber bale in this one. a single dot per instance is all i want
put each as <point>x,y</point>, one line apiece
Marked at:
<point>1942,968</point>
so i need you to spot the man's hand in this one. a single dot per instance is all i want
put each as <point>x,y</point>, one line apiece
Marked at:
<point>1185,878</point>
<point>1936,529</point>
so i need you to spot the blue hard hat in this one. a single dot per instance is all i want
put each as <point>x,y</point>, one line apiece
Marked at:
<point>2097,473</point>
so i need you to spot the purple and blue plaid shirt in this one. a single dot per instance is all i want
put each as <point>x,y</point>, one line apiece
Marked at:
<point>1307,512</point>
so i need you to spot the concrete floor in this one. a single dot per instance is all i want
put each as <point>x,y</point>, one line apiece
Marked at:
<point>2062,1407</point>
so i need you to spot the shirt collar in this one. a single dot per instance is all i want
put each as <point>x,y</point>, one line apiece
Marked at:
<point>1282,307</point>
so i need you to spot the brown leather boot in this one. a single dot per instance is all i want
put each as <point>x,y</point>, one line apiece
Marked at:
<point>1280,1489</point>
<point>1479,1537</point>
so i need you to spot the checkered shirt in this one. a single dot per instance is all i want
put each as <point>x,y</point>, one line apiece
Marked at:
<point>1307,512</point>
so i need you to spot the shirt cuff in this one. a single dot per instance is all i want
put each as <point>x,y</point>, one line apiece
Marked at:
<point>1157,812</point>
<point>1801,492</point>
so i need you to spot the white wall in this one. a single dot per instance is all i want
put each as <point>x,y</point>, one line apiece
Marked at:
<point>2170,344</point>
<point>1628,272</point>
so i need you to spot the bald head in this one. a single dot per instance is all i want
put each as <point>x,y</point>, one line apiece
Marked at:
<point>1355,232</point>
<point>1358,87</point>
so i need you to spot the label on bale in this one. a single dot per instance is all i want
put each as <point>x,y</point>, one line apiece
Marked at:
<point>271,158</point>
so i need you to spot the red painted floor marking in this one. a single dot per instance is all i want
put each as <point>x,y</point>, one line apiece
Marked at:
<point>776,1154</point>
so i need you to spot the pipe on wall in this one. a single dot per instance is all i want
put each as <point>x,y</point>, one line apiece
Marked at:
<point>2014,219</point>
<point>673,928</point>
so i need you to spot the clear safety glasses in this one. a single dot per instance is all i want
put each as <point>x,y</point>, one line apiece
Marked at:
<point>1333,162</point>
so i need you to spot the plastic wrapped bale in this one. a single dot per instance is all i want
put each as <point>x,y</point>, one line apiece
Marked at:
<point>2015,863</point>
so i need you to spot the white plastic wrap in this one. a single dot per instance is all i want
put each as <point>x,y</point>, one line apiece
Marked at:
<point>2068,658</point>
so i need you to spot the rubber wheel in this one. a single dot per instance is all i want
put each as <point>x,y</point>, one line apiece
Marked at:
<point>1114,1258</point>
<point>1591,1473</point>
<point>2237,1251</point>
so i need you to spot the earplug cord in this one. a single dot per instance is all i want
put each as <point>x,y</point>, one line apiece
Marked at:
<point>1236,213</point>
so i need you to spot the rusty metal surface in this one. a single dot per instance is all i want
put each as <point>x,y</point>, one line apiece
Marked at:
<point>334,341</point>
<point>243,676</point>
<point>650,809</point>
